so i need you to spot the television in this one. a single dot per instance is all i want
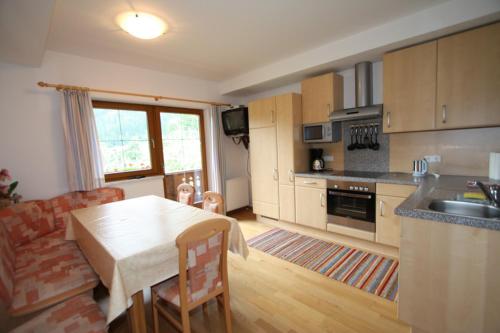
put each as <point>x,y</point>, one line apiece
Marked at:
<point>235,121</point>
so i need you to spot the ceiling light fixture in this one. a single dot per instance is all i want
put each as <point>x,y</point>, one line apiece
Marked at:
<point>142,25</point>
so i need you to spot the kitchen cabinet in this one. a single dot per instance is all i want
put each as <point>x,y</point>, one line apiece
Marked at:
<point>448,277</point>
<point>320,96</point>
<point>388,225</point>
<point>276,151</point>
<point>452,82</point>
<point>410,88</point>
<point>468,79</point>
<point>262,113</point>
<point>264,162</point>
<point>310,202</point>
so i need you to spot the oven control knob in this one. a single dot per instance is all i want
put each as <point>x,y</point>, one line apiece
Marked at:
<point>365,189</point>
<point>356,188</point>
<point>335,186</point>
<point>351,188</point>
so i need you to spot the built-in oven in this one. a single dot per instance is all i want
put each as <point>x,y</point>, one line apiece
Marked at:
<point>351,204</point>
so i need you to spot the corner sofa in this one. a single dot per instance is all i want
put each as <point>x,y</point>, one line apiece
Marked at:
<point>38,267</point>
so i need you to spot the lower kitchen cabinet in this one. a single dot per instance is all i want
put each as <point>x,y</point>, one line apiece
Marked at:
<point>287,203</point>
<point>390,196</point>
<point>388,223</point>
<point>310,206</point>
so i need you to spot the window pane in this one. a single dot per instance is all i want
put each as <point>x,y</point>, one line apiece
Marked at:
<point>123,139</point>
<point>181,142</point>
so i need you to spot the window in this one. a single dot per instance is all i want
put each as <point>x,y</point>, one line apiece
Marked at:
<point>143,140</point>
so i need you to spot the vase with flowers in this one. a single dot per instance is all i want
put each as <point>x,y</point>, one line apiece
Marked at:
<point>7,194</point>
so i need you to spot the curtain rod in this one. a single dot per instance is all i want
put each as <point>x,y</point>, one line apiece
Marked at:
<point>156,98</point>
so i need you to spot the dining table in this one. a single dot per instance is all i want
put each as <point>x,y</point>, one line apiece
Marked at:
<point>131,245</point>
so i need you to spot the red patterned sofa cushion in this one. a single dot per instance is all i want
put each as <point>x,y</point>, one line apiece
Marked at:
<point>45,275</point>
<point>27,221</point>
<point>62,205</point>
<point>7,266</point>
<point>79,314</point>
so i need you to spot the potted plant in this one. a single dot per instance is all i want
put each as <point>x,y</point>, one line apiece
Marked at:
<point>7,194</point>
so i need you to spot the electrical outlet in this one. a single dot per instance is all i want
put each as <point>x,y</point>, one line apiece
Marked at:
<point>328,158</point>
<point>433,158</point>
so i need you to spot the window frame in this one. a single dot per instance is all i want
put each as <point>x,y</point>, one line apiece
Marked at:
<point>155,138</point>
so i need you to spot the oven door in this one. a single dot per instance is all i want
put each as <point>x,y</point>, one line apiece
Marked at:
<point>351,209</point>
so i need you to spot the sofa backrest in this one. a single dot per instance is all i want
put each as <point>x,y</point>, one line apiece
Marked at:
<point>62,205</point>
<point>27,221</point>
<point>7,266</point>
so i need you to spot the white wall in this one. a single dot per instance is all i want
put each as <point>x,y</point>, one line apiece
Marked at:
<point>31,137</point>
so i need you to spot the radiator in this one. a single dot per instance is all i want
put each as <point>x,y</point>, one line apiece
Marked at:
<point>236,193</point>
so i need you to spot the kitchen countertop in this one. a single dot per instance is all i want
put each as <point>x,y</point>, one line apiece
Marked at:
<point>428,188</point>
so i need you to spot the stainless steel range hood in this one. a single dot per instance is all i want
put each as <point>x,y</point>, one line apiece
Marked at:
<point>364,108</point>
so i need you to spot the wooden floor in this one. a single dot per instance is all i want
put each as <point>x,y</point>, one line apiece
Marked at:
<point>272,295</point>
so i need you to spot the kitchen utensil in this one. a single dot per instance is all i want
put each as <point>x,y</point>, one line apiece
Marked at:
<point>352,146</point>
<point>376,145</point>
<point>361,145</point>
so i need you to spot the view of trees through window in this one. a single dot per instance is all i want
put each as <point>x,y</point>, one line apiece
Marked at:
<point>181,142</point>
<point>124,140</point>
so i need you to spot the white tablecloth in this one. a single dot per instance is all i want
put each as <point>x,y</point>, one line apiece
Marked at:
<point>131,243</point>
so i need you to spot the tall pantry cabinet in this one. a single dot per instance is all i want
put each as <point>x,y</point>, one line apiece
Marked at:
<point>276,152</point>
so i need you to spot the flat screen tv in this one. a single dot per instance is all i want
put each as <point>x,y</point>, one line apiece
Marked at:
<point>235,121</point>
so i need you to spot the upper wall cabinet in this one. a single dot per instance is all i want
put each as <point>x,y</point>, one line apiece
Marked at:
<point>262,113</point>
<point>320,96</point>
<point>453,82</point>
<point>410,88</point>
<point>468,79</point>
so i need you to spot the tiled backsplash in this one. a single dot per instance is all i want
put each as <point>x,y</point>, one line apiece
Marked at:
<point>366,159</point>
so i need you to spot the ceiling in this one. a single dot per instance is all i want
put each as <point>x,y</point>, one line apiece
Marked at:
<point>216,39</point>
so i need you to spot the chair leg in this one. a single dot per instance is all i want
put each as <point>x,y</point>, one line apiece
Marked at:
<point>186,328</point>
<point>154,299</point>
<point>205,308</point>
<point>227,312</point>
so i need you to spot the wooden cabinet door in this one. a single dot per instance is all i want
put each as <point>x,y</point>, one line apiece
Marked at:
<point>263,161</point>
<point>468,79</point>
<point>320,96</point>
<point>410,88</point>
<point>287,202</point>
<point>388,223</point>
<point>262,113</point>
<point>310,207</point>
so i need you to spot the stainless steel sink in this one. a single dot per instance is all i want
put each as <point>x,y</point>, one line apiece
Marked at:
<point>465,209</point>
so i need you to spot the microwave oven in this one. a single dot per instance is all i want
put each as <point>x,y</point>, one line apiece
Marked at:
<point>319,132</point>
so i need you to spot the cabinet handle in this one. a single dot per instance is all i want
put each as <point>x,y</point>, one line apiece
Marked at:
<point>272,117</point>
<point>389,119</point>
<point>381,208</point>
<point>322,199</point>
<point>328,110</point>
<point>290,176</point>
<point>310,183</point>
<point>443,109</point>
<point>275,174</point>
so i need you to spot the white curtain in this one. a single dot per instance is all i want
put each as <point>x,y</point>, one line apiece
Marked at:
<point>215,150</point>
<point>83,157</point>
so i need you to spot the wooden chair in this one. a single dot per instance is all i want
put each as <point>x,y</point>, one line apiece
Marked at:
<point>202,275</point>
<point>212,201</point>
<point>185,193</point>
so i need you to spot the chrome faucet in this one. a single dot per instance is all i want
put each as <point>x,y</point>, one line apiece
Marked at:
<point>492,192</point>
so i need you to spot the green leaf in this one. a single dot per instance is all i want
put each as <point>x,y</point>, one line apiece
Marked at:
<point>12,187</point>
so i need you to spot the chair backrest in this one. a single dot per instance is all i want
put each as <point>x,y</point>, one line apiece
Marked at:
<point>185,194</point>
<point>202,259</point>
<point>213,201</point>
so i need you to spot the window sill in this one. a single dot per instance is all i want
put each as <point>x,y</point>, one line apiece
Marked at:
<point>134,180</point>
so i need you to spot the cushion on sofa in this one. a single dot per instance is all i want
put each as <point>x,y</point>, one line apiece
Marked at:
<point>27,221</point>
<point>7,266</point>
<point>79,314</point>
<point>47,275</point>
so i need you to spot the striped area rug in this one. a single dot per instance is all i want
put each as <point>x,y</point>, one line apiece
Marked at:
<point>363,270</point>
